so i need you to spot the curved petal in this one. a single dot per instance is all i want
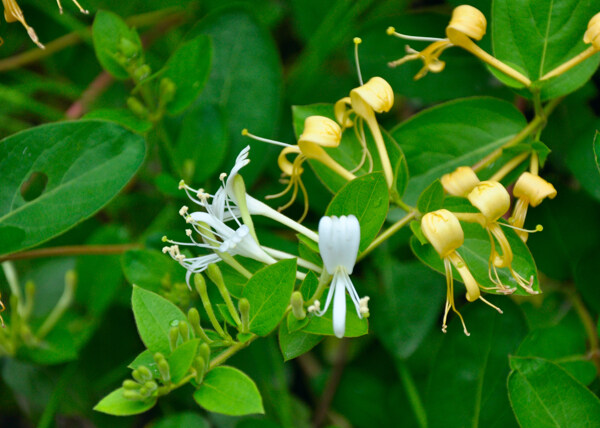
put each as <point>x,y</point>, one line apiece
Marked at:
<point>339,305</point>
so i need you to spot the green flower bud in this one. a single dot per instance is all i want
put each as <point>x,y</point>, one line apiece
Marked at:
<point>142,72</point>
<point>173,336</point>
<point>132,395</point>
<point>297,303</point>
<point>167,90</point>
<point>204,353</point>
<point>142,374</point>
<point>151,386</point>
<point>184,330</point>
<point>128,49</point>
<point>137,107</point>
<point>244,307</point>
<point>131,384</point>
<point>200,366</point>
<point>163,368</point>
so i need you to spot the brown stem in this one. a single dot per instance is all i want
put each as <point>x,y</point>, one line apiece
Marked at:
<point>590,328</point>
<point>332,383</point>
<point>71,250</point>
<point>98,85</point>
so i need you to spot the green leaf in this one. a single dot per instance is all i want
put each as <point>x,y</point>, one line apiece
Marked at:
<point>415,226</point>
<point>269,292</point>
<point>110,35</point>
<point>562,345</point>
<point>367,198</point>
<point>123,117</point>
<point>294,344</point>
<point>202,143</point>
<point>150,269</point>
<point>229,391</point>
<point>458,133</point>
<point>349,152</point>
<point>544,395</point>
<point>182,358</point>
<point>188,68</point>
<point>597,150</point>
<point>407,306</point>
<point>245,79</point>
<point>323,325</point>
<point>117,405</point>
<point>179,420</point>
<point>467,384</point>
<point>75,169</point>
<point>309,285</point>
<point>432,198</point>
<point>537,36</point>
<point>476,252</point>
<point>154,316</point>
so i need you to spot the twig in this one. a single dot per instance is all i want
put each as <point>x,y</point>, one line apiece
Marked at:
<point>332,383</point>
<point>590,327</point>
<point>71,250</point>
<point>98,85</point>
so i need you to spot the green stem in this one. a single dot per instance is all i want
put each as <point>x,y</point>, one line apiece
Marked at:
<point>223,356</point>
<point>388,233</point>
<point>413,394</point>
<point>323,281</point>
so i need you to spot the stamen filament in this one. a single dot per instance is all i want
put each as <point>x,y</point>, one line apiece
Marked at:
<point>391,31</point>
<point>538,228</point>
<point>357,41</point>
<point>245,133</point>
<point>490,304</point>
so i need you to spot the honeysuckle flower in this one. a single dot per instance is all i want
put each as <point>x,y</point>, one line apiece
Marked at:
<point>460,182</point>
<point>531,190</point>
<point>467,24</point>
<point>375,96</point>
<point>443,230</point>
<point>493,201</point>
<point>13,13</point>
<point>338,244</point>
<point>319,132</point>
<point>591,36</point>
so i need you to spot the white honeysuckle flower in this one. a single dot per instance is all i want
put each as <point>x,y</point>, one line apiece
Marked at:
<point>256,207</point>
<point>339,238</point>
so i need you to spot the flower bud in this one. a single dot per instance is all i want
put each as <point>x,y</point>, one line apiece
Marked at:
<point>204,353</point>
<point>200,366</point>
<point>375,95</point>
<point>141,72</point>
<point>132,395</point>
<point>142,374</point>
<point>466,21</point>
<point>320,130</point>
<point>491,198</point>
<point>151,386</point>
<point>184,331</point>
<point>128,49</point>
<point>297,303</point>
<point>131,384</point>
<point>460,182</point>
<point>167,90</point>
<point>244,308</point>
<point>592,35</point>
<point>173,337</point>
<point>533,187</point>
<point>137,107</point>
<point>442,229</point>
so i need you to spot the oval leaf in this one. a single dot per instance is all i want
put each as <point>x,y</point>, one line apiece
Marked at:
<point>117,405</point>
<point>536,36</point>
<point>229,391</point>
<point>367,198</point>
<point>544,395</point>
<point>294,344</point>
<point>269,292</point>
<point>188,68</point>
<point>85,164</point>
<point>467,385</point>
<point>154,316</point>
<point>458,133</point>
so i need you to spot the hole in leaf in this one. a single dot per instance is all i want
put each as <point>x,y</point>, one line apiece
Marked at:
<point>34,186</point>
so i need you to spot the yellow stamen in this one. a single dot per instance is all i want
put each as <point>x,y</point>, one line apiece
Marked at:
<point>357,41</point>
<point>82,10</point>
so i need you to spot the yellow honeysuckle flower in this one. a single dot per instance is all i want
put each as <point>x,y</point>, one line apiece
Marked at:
<point>13,13</point>
<point>375,96</point>
<point>591,36</point>
<point>531,190</point>
<point>460,182</point>
<point>493,201</point>
<point>319,132</point>
<point>467,24</point>
<point>443,230</point>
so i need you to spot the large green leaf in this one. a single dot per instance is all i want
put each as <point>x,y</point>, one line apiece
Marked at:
<point>296,343</point>
<point>408,306</point>
<point>55,176</point>
<point>188,68</point>
<point>229,391</point>
<point>150,269</point>
<point>245,79</point>
<point>467,385</point>
<point>367,198</point>
<point>536,36</point>
<point>544,395</point>
<point>476,252</point>
<point>349,152</point>
<point>269,292</point>
<point>154,317</point>
<point>458,133</point>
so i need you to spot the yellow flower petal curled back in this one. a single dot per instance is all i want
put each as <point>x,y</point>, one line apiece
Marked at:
<point>460,182</point>
<point>592,35</point>
<point>491,198</point>
<point>466,23</point>
<point>375,96</point>
<point>531,190</point>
